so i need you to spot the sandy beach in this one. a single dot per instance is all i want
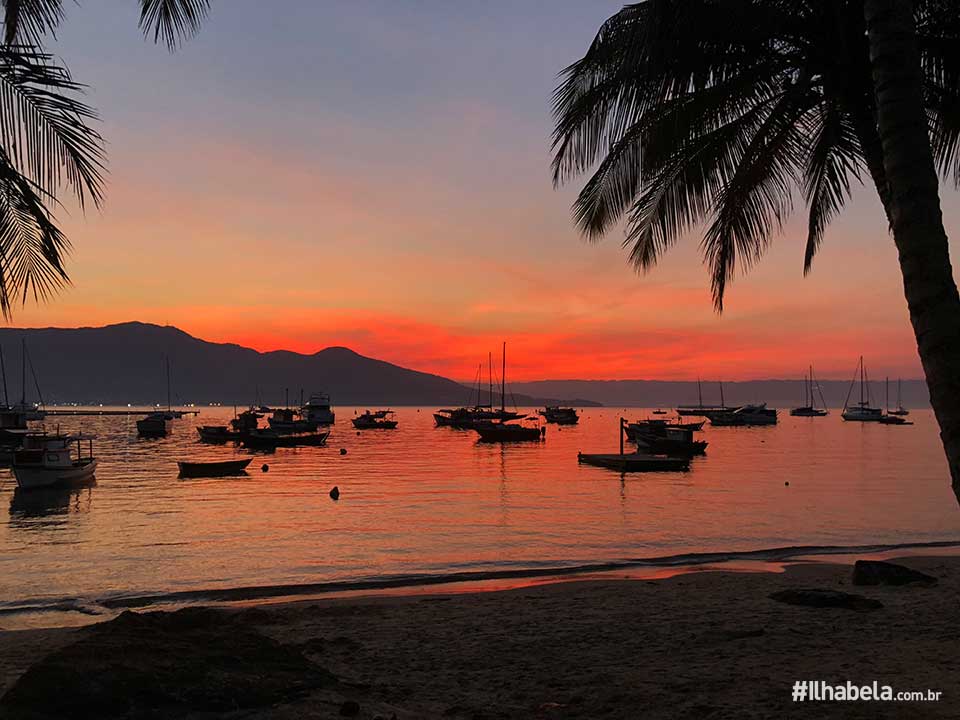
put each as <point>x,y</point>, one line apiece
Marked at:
<point>700,645</point>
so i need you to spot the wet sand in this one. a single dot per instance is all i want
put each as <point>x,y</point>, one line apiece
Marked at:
<point>699,645</point>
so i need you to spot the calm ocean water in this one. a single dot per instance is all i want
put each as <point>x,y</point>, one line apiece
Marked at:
<point>429,501</point>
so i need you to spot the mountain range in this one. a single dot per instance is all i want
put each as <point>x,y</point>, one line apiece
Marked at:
<point>127,363</point>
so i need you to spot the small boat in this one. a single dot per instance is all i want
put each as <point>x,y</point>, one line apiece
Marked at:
<point>47,461</point>
<point>379,420</point>
<point>809,408</point>
<point>270,439</point>
<point>665,440</point>
<point>893,420</point>
<point>217,434</point>
<point>636,462</point>
<point>152,426</point>
<point>220,468</point>
<point>491,432</point>
<point>659,411</point>
<point>863,411</point>
<point>317,410</point>
<point>560,415</point>
<point>748,415</point>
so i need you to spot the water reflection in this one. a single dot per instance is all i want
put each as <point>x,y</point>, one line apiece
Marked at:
<point>27,505</point>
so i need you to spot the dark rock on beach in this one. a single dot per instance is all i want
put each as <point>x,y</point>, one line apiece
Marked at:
<point>876,572</point>
<point>162,665</point>
<point>826,599</point>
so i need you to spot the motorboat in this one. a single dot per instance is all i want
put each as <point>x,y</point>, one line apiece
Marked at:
<point>48,461</point>
<point>665,439</point>
<point>271,439</point>
<point>748,415</point>
<point>317,410</point>
<point>289,421</point>
<point>492,432</point>
<point>378,420</point>
<point>217,433</point>
<point>560,415</point>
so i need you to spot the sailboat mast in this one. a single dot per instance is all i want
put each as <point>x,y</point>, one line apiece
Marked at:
<point>23,371</point>
<point>490,379</point>
<point>862,379</point>
<point>722,403</point>
<point>3,370</point>
<point>503,380</point>
<point>168,383</point>
<point>699,394</point>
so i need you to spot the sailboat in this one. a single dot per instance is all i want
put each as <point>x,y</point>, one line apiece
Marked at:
<point>31,411</point>
<point>809,408</point>
<point>862,411</point>
<point>891,418</point>
<point>499,430</point>
<point>700,409</point>
<point>899,410</point>
<point>464,418</point>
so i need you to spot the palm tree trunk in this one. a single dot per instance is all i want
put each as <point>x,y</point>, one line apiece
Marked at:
<point>916,220</point>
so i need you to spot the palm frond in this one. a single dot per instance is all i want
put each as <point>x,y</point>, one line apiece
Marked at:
<point>27,21</point>
<point>172,20</point>
<point>31,245</point>
<point>831,160</point>
<point>45,129</point>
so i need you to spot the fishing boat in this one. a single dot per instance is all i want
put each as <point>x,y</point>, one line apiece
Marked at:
<point>222,468</point>
<point>153,425</point>
<point>899,410</point>
<point>634,462</point>
<point>289,421</point>
<point>863,411</point>
<point>700,409</point>
<point>317,410</point>
<point>48,461</point>
<point>246,421</point>
<point>748,415</point>
<point>217,433</point>
<point>560,415</point>
<point>809,408</point>
<point>378,420</point>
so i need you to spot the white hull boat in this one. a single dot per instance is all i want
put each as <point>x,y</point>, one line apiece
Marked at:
<point>47,461</point>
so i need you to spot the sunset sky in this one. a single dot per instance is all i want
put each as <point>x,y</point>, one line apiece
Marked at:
<point>376,175</point>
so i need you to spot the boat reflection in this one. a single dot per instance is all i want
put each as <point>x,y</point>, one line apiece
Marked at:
<point>46,502</point>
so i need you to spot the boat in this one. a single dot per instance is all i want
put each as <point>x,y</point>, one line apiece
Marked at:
<point>894,420</point>
<point>31,411</point>
<point>317,410</point>
<point>665,439</point>
<point>289,421</point>
<point>465,418</point>
<point>636,461</point>
<point>245,421</point>
<point>153,425</point>
<point>217,433</point>
<point>899,410</point>
<point>220,468</point>
<point>863,411</point>
<point>271,439</point>
<point>701,410</point>
<point>379,420</point>
<point>47,461</point>
<point>492,432</point>
<point>809,407</point>
<point>560,415</point>
<point>748,415</point>
<point>659,411</point>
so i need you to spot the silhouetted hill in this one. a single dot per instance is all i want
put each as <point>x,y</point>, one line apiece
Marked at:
<point>124,363</point>
<point>776,393</point>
